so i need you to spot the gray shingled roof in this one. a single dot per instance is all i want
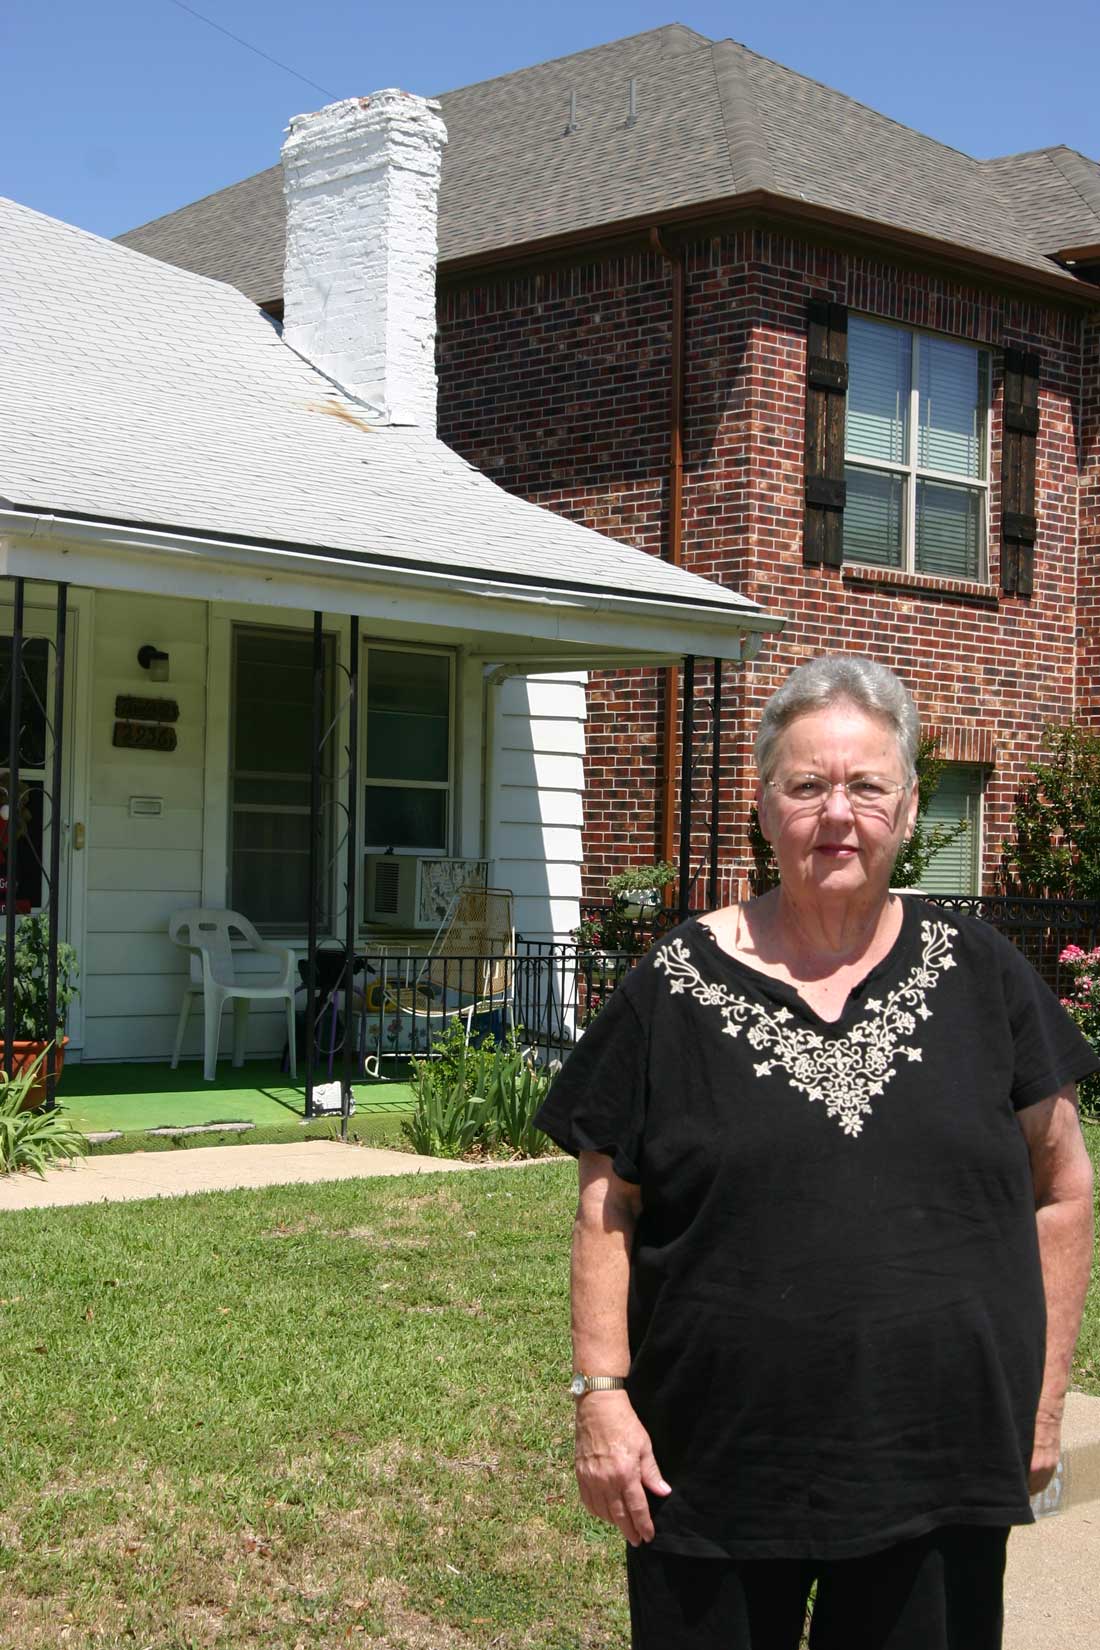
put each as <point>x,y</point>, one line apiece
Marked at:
<point>138,393</point>
<point>1055,194</point>
<point>714,121</point>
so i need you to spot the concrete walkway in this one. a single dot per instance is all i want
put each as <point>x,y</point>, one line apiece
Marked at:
<point>133,1175</point>
<point>1052,1588</point>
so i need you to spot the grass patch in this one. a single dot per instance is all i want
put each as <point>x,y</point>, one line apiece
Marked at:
<point>305,1416</point>
<point>382,1129</point>
<point>1086,1367</point>
<point>299,1416</point>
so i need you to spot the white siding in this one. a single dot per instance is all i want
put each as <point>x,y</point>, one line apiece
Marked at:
<point>141,870</point>
<point>536,797</point>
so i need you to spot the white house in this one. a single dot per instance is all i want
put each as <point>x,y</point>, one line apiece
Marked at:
<point>200,485</point>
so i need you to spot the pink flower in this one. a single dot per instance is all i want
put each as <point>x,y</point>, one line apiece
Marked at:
<point>1071,954</point>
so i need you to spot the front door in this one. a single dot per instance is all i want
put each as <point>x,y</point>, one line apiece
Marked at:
<point>26,834</point>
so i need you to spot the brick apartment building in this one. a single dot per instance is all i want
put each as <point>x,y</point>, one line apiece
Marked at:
<point>697,301</point>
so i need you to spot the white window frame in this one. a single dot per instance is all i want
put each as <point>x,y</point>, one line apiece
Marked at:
<point>911,472</point>
<point>381,644</point>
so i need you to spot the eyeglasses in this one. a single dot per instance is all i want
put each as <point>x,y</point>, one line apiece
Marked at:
<point>868,794</point>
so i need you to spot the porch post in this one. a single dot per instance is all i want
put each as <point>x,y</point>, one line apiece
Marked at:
<point>715,773</point>
<point>314,854</point>
<point>54,877</point>
<point>14,728</point>
<point>687,739</point>
<point>350,878</point>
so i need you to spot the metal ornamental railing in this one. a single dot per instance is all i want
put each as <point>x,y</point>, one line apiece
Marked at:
<point>552,990</point>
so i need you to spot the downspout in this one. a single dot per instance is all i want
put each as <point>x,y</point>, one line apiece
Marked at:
<point>674,538</point>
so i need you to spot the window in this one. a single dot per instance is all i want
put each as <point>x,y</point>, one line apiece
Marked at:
<point>271,739</point>
<point>957,869</point>
<point>407,792</point>
<point>916,442</point>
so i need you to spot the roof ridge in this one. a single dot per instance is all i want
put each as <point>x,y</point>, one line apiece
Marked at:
<point>679,29</point>
<point>1088,192</point>
<point>869,108</point>
<point>746,138</point>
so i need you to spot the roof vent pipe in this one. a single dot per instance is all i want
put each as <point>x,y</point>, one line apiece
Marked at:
<point>632,102</point>
<point>571,123</point>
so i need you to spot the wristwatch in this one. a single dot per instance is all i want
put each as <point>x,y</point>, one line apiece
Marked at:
<point>580,1384</point>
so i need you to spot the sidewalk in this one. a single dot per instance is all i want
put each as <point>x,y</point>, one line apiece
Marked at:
<point>1052,1584</point>
<point>1052,1587</point>
<point>133,1175</point>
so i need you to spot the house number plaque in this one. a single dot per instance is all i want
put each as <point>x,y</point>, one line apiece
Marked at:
<point>146,710</point>
<point>144,736</point>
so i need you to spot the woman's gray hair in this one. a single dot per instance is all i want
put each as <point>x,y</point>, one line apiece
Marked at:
<point>834,679</point>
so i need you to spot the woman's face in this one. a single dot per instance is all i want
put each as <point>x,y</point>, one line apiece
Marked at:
<point>827,845</point>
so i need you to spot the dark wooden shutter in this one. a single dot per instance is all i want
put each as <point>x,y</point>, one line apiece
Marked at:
<point>1021,429</point>
<point>826,392</point>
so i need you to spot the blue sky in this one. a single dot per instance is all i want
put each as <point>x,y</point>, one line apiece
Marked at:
<point>115,111</point>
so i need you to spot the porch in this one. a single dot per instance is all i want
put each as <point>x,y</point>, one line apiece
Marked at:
<point>257,1101</point>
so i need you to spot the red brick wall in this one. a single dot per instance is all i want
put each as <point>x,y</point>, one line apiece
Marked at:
<point>1088,548</point>
<point>556,384</point>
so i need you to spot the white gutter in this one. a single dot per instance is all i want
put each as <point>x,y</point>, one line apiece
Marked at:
<point>119,537</point>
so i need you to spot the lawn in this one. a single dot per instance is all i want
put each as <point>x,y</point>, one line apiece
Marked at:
<point>305,1416</point>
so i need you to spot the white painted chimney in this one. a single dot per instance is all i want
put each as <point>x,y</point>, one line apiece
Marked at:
<point>361,180</point>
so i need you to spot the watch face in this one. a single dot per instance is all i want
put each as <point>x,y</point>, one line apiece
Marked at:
<point>578,1386</point>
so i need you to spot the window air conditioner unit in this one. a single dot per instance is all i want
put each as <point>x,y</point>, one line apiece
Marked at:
<point>407,891</point>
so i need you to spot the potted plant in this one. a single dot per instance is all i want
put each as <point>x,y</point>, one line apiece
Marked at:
<point>636,891</point>
<point>33,1031</point>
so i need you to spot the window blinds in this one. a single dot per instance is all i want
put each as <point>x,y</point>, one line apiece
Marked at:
<point>879,368</point>
<point>956,868</point>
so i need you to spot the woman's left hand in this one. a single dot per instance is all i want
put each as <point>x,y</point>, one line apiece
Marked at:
<point>1045,1452</point>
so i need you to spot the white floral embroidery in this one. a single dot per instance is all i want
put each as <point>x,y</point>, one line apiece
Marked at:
<point>847,1072</point>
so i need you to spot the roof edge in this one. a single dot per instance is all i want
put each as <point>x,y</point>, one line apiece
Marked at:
<point>771,204</point>
<point>41,520</point>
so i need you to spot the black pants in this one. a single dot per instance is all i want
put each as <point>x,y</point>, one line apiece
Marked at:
<point>943,1591</point>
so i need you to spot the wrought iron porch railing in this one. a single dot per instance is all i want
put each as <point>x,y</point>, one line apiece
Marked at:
<point>553,989</point>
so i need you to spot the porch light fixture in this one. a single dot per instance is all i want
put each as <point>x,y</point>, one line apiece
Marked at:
<point>151,658</point>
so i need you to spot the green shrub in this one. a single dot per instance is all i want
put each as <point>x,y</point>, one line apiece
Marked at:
<point>516,1088</point>
<point>470,1098</point>
<point>448,1118</point>
<point>1055,845</point>
<point>32,1139</point>
<point>31,982</point>
<point>1083,1002</point>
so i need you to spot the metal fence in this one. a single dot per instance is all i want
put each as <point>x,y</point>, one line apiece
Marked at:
<point>553,989</point>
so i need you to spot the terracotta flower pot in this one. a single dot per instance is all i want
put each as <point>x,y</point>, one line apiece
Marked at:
<point>25,1053</point>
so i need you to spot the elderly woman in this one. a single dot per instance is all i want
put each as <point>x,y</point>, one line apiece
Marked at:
<point>834,1228</point>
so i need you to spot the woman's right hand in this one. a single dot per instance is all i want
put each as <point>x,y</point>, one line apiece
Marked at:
<point>615,1464</point>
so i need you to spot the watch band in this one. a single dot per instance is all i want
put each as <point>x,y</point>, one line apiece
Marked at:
<point>580,1384</point>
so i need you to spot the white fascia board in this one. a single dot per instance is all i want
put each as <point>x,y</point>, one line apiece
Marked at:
<point>117,557</point>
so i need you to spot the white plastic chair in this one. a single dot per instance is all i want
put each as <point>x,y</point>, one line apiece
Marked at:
<point>206,934</point>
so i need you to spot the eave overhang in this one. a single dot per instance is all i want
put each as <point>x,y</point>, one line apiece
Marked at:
<point>578,627</point>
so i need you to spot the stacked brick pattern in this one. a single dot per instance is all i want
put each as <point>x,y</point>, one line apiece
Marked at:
<point>556,383</point>
<point>1088,552</point>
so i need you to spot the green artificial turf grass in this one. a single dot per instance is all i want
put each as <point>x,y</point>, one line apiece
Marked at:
<point>299,1416</point>
<point>133,1097</point>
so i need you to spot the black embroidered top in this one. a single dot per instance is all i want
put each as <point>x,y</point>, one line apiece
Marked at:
<point>836,1309</point>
